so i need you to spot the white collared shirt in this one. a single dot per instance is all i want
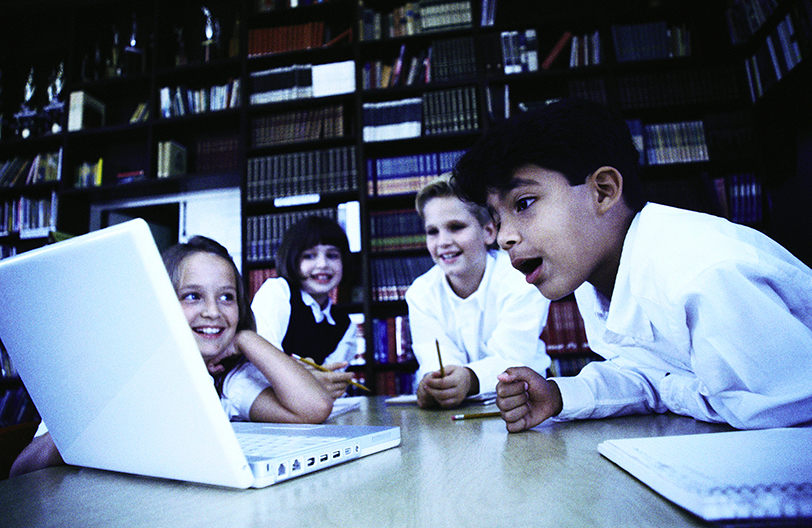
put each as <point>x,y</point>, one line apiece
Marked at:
<point>708,319</point>
<point>496,327</point>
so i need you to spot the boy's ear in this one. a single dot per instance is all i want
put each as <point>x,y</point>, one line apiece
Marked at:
<point>607,184</point>
<point>490,233</point>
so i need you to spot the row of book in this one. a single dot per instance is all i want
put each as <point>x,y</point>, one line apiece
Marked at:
<point>565,338</point>
<point>409,173</point>
<point>394,383</point>
<point>301,173</point>
<point>29,217</point>
<point>443,60</point>
<point>43,167</point>
<point>395,230</point>
<point>280,39</point>
<point>451,110</point>
<point>775,56</point>
<point>179,101</point>
<point>667,143</point>
<point>650,40</point>
<point>737,197</point>
<point>16,407</point>
<point>436,112</point>
<point>744,202</point>
<point>392,339</point>
<point>89,173</point>
<point>564,332</point>
<point>586,50</point>
<point>412,18</point>
<point>264,232</point>
<point>519,51</point>
<point>681,87</point>
<point>392,276</point>
<point>297,126</point>
<point>744,17</point>
<point>300,81</point>
<point>217,154</point>
<point>389,120</point>
<point>730,136</point>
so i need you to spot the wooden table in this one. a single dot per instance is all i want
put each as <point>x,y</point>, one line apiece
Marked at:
<point>446,473</point>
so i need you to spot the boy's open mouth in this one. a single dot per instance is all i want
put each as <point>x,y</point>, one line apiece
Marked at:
<point>528,266</point>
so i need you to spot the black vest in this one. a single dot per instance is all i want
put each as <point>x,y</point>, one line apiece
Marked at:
<point>305,337</point>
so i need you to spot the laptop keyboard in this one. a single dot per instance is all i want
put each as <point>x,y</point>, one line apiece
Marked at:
<point>260,445</point>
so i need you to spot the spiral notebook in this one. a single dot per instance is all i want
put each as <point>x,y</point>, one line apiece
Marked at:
<point>740,475</point>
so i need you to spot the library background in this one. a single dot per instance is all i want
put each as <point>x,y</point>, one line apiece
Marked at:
<point>234,118</point>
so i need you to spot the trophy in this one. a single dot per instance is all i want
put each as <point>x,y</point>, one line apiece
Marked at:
<point>54,110</point>
<point>212,32</point>
<point>25,121</point>
<point>114,61</point>
<point>181,58</point>
<point>133,55</point>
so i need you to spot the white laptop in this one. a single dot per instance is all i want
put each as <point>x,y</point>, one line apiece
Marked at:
<point>96,332</point>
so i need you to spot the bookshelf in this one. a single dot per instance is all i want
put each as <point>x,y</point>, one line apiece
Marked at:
<point>343,107</point>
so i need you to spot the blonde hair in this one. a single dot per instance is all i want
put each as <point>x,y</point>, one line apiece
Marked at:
<point>441,187</point>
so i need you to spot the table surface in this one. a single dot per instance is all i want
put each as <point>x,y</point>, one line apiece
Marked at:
<point>445,473</point>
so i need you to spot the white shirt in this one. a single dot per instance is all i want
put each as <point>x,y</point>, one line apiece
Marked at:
<point>241,388</point>
<point>271,307</point>
<point>496,327</point>
<point>708,319</point>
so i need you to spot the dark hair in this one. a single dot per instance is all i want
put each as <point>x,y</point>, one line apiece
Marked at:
<point>174,256</point>
<point>303,235</point>
<point>574,137</point>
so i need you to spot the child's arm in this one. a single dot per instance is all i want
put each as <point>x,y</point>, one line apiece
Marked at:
<point>39,454</point>
<point>526,398</point>
<point>294,396</point>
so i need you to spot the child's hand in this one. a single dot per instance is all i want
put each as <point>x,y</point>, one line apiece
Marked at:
<point>226,359</point>
<point>334,382</point>
<point>446,391</point>
<point>526,398</point>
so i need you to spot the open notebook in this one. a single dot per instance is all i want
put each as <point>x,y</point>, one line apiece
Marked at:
<point>730,476</point>
<point>96,332</point>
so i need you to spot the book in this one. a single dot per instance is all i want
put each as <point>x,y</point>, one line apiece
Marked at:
<point>171,159</point>
<point>762,474</point>
<point>556,51</point>
<point>84,111</point>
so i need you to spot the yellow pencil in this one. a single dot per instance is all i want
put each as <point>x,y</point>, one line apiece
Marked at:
<point>319,367</point>
<point>492,414</point>
<point>440,358</point>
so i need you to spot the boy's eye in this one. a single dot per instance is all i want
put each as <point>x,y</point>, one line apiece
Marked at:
<point>524,203</point>
<point>333,255</point>
<point>431,231</point>
<point>228,297</point>
<point>190,296</point>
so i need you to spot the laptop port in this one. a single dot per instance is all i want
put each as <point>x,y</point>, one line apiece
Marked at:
<point>311,461</point>
<point>323,458</point>
<point>281,471</point>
